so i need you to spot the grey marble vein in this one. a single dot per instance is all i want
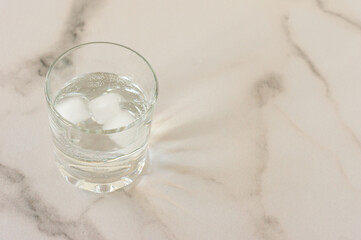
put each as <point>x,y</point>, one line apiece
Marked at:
<point>306,58</point>
<point>167,231</point>
<point>267,88</point>
<point>319,145</point>
<point>192,171</point>
<point>27,202</point>
<point>270,229</point>
<point>74,27</point>
<point>30,73</point>
<point>314,69</point>
<point>267,226</point>
<point>200,174</point>
<point>90,206</point>
<point>10,175</point>
<point>340,16</point>
<point>146,211</point>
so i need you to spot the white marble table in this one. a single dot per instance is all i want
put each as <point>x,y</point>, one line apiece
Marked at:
<point>257,133</point>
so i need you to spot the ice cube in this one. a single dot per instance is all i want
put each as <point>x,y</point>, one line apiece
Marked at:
<point>104,107</point>
<point>122,119</point>
<point>73,109</point>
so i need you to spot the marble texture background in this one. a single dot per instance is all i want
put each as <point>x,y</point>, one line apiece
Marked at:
<point>257,133</point>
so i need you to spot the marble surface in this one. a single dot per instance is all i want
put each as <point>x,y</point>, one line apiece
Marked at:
<point>257,133</point>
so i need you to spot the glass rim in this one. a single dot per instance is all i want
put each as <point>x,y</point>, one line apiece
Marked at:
<point>87,130</point>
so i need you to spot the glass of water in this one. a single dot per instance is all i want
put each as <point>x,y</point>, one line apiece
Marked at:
<point>101,97</point>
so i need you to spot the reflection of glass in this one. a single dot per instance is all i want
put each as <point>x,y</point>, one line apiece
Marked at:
<point>101,98</point>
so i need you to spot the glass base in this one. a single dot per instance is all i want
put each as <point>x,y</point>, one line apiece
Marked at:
<point>102,180</point>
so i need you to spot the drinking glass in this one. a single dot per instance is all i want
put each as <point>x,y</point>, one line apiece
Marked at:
<point>101,97</point>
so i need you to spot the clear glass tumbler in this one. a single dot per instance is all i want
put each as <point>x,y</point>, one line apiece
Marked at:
<point>101,98</point>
